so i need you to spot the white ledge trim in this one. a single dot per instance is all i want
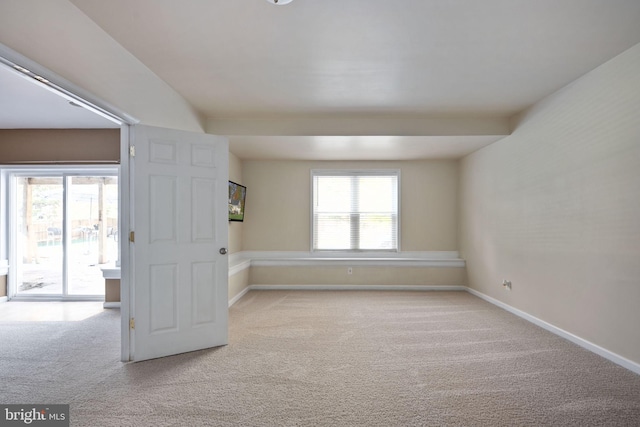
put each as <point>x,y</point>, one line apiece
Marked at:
<point>355,288</point>
<point>112,304</point>
<point>428,255</point>
<point>371,262</point>
<point>111,273</point>
<point>238,265</point>
<point>239,261</point>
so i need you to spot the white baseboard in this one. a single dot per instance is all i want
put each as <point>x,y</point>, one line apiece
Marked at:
<point>3,299</point>
<point>115,304</point>
<point>240,295</point>
<point>613,357</point>
<point>342,288</point>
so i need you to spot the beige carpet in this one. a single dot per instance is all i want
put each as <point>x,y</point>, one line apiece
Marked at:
<point>340,358</point>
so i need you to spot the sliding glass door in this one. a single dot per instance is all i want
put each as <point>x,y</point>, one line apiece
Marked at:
<point>92,212</point>
<point>66,230</point>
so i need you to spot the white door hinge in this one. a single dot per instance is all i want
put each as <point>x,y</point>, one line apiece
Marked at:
<point>132,151</point>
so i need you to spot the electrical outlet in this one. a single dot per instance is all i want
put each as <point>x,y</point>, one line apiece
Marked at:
<point>506,284</point>
<point>349,270</point>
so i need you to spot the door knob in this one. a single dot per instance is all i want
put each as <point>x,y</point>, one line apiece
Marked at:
<point>223,251</point>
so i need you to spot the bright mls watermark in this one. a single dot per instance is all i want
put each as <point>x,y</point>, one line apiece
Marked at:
<point>34,415</point>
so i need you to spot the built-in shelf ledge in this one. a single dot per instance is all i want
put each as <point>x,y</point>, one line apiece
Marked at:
<point>111,287</point>
<point>111,273</point>
<point>242,260</point>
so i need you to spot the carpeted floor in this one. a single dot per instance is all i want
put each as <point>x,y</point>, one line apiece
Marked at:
<point>320,358</point>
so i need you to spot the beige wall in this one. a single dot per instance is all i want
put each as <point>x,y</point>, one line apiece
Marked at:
<point>277,215</point>
<point>3,286</point>
<point>112,290</point>
<point>238,283</point>
<point>59,145</point>
<point>555,208</point>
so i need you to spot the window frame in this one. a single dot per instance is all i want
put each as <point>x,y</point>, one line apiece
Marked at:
<point>354,172</point>
<point>8,176</point>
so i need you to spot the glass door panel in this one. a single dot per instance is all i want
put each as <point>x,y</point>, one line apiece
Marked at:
<point>92,211</point>
<point>39,203</point>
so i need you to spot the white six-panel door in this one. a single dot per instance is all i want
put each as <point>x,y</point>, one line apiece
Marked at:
<point>179,183</point>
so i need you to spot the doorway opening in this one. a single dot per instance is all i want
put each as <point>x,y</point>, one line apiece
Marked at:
<point>65,231</point>
<point>38,83</point>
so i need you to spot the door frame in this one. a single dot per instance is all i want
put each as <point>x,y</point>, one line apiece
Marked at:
<point>125,214</point>
<point>27,69</point>
<point>48,80</point>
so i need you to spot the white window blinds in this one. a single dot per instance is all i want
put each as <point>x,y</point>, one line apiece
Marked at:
<point>355,210</point>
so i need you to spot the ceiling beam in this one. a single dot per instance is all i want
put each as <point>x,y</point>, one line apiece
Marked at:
<point>348,125</point>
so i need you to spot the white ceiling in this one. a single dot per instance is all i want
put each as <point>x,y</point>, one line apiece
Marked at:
<point>420,58</point>
<point>249,57</point>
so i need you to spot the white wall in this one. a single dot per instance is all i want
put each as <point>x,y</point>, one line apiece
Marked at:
<point>555,208</point>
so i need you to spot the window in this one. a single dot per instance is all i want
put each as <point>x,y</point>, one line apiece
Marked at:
<point>355,210</point>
